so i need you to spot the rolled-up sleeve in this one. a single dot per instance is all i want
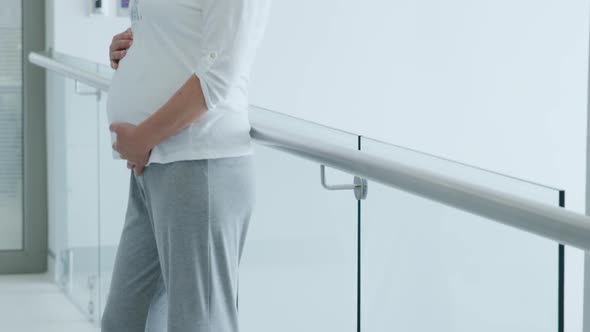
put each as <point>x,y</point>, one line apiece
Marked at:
<point>231,32</point>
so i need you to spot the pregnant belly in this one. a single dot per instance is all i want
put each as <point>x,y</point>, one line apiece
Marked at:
<point>141,85</point>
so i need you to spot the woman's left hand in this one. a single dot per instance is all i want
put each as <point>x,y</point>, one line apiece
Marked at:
<point>131,146</point>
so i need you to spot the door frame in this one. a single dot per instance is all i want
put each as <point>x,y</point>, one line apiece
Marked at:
<point>32,258</point>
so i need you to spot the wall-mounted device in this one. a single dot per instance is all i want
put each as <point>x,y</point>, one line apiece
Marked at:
<point>123,7</point>
<point>98,7</point>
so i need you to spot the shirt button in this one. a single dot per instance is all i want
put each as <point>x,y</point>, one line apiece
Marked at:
<point>213,55</point>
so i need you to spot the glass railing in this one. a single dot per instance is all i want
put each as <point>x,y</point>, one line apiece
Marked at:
<point>465,273</point>
<point>319,260</point>
<point>423,266</point>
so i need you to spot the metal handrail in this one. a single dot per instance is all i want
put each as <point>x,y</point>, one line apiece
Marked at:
<point>83,76</point>
<point>551,222</point>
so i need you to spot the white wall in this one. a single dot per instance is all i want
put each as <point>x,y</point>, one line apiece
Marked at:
<point>498,84</point>
<point>79,33</point>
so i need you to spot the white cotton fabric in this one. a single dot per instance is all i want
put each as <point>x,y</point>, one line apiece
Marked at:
<point>216,40</point>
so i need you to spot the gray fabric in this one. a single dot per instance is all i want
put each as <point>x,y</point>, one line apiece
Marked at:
<point>177,262</point>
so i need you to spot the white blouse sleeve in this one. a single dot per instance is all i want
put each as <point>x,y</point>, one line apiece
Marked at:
<point>231,32</point>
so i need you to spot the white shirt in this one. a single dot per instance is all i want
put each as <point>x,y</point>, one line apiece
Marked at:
<point>216,40</point>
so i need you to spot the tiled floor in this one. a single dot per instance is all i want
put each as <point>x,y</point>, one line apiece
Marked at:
<point>32,303</point>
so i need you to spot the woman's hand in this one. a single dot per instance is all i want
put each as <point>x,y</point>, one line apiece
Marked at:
<point>121,42</point>
<point>131,146</point>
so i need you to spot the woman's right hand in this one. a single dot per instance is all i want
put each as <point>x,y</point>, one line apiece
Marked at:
<point>121,42</point>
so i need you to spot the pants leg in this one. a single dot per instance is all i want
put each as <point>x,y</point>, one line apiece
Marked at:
<point>137,270</point>
<point>157,319</point>
<point>200,211</point>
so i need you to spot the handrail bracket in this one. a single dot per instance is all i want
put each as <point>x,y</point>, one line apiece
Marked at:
<point>360,185</point>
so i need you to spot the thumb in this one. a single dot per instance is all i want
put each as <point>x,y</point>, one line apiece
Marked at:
<point>114,127</point>
<point>138,169</point>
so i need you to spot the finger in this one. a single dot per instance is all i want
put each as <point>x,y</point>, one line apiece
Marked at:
<point>123,35</point>
<point>114,127</point>
<point>121,44</point>
<point>118,45</point>
<point>138,169</point>
<point>116,40</point>
<point>114,64</point>
<point>130,165</point>
<point>118,55</point>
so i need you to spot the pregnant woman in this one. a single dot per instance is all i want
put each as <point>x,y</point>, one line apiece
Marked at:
<point>178,112</point>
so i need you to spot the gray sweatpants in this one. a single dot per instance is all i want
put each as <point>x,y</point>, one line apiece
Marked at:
<point>177,262</point>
